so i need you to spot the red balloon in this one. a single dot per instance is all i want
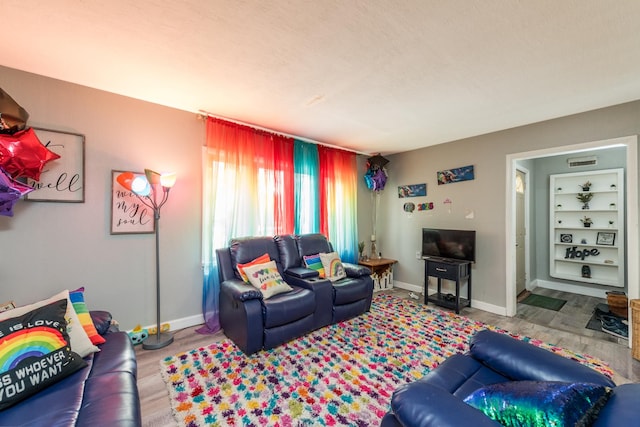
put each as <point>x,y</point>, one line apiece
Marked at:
<point>22,154</point>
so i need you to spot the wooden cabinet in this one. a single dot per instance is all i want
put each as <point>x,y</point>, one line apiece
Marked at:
<point>457,271</point>
<point>587,227</point>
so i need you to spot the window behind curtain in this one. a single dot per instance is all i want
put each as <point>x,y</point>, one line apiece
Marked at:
<point>260,184</point>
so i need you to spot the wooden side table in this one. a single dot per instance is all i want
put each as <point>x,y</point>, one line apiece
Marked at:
<point>381,272</point>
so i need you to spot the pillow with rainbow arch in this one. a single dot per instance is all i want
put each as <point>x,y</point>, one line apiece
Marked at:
<point>333,268</point>
<point>35,352</point>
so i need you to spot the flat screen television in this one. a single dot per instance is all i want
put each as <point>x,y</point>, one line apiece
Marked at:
<point>449,244</point>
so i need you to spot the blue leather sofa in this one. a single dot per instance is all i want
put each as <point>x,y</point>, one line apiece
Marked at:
<point>254,323</point>
<point>104,393</point>
<point>437,399</point>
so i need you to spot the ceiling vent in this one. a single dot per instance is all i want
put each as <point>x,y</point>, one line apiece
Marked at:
<point>576,162</point>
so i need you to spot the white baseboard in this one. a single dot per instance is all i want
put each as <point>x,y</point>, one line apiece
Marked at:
<point>182,323</point>
<point>496,309</point>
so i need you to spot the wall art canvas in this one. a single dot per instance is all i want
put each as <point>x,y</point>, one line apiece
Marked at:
<point>128,214</point>
<point>61,180</point>
<point>413,190</point>
<point>449,176</point>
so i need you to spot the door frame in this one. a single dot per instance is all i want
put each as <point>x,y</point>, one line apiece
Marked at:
<point>631,214</point>
<point>527,224</point>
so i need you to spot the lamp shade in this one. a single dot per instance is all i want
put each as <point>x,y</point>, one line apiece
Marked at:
<point>168,179</point>
<point>141,186</point>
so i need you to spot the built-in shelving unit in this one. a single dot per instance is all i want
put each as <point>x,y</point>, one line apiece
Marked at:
<point>594,253</point>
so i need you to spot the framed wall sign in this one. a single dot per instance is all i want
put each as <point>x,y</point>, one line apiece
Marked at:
<point>606,238</point>
<point>128,214</point>
<point>61,180</point>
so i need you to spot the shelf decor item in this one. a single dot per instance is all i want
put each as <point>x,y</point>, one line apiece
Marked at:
<point>586,221</point>
<point>585,198</point>
<point>586,186</point>
<point>612,206</point>
<point>606,238</point>
<point>152,190</point>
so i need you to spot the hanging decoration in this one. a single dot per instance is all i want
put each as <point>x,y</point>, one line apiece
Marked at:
<point>376,179</point>
<point>22,155</point>
<point>10,191</point>
<point>376,175</point>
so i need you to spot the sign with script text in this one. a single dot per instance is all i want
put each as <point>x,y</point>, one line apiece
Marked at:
<point>128,214</point>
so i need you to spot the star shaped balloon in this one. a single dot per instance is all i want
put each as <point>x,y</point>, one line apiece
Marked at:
<point>10,192</point>
<point>23,155</point>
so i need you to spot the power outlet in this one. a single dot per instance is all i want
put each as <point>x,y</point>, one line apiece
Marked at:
<point>418,255</point>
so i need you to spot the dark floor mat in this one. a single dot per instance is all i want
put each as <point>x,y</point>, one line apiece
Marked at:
<point>543,301</point>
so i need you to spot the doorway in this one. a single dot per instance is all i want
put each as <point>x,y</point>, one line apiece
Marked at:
<point>633,272</point>
<point>522,224</point>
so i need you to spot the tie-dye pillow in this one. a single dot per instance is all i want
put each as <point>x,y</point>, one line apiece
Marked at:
<point>35,352</point>
<point>314,263</point>
<point>267,279</point>
<point>333,268</point>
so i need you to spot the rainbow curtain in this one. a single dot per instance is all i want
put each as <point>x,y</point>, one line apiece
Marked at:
<point>260,183</point>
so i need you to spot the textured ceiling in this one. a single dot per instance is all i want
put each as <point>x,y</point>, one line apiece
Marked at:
<point>372,76</point>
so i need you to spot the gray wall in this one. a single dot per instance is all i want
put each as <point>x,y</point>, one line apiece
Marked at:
<point>399,234</point>
<point>48,247</point>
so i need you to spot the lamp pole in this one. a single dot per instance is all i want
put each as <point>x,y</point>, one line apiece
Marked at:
<point>146,189</point>
<point>159,339</point>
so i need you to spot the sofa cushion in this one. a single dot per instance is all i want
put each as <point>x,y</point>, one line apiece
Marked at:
<point>333,268</point>
<point>260,260</point>
<point>349,289</point>
<point>79,305</point>
<point>288,307</point>
<point>540,403</point>
<point>35,352</point>
<point>80,342</point>
<point>267,279</point>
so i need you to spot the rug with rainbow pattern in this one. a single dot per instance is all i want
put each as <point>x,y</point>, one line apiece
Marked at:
<point>340,375</point>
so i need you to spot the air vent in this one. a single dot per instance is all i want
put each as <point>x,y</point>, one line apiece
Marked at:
<point>577,162</point>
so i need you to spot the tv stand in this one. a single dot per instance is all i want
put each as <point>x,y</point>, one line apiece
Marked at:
<point>448,269</point>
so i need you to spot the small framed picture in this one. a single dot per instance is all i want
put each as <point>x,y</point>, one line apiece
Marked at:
<point>566,238</point>
<point>606,238</point>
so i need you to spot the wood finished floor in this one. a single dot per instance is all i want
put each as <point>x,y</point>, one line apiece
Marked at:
<point>564,328</point>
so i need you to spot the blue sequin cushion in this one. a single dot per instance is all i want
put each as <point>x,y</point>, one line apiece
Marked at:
<point>540,403</point>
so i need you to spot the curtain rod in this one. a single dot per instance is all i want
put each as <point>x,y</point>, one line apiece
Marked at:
<point>215,116</point>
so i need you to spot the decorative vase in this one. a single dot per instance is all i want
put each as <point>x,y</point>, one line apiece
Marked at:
<point>585,206</point>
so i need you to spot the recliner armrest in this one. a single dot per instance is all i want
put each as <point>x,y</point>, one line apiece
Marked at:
<point>421,404</point>
<point>354,270</point>
<point>240,291</point>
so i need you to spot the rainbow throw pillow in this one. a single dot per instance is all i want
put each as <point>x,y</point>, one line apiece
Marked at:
<point>333,268</point>
<point>314,263</point>
<point>35,352</point>
<point>267,279</point>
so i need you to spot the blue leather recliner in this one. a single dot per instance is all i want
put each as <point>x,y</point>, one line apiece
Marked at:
<point>254,323</point>
<point>437,398</point>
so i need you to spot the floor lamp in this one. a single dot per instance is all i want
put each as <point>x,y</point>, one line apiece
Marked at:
<point>152,189</point>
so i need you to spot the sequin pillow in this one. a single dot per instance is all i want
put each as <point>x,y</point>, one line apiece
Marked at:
<point>314,262</point>
<point>333,268</point>
<point>540,403</point>
<point>260,260</point>
<point>267,279</point>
